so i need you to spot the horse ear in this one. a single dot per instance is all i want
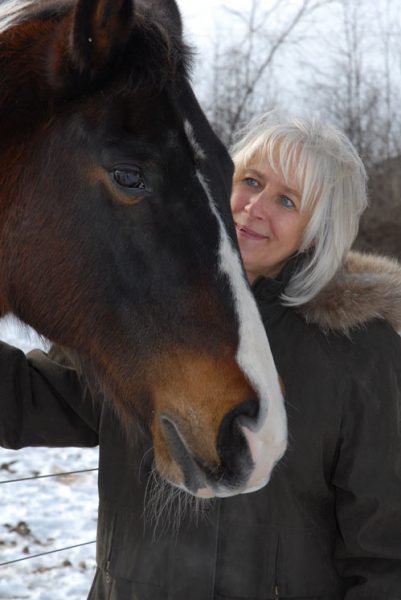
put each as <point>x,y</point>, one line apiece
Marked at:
<point>171,11</point>
<point>90,41</point>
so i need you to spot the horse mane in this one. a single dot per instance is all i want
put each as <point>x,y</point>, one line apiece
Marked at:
<point>157,32</point>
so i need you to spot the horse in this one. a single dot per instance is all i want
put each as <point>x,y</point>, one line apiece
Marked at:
<point>116,237</point>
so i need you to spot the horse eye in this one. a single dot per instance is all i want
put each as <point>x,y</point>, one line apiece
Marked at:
<point>129,178</point>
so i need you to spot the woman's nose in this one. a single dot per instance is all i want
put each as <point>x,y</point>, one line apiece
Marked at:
<point>256,208</point>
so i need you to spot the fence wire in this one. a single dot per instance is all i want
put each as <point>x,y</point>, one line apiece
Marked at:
<point>10,562</point>
<point>50,475</point>
<point>63,474</point>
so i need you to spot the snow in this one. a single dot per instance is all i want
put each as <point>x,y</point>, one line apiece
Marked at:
<point>43,515</point>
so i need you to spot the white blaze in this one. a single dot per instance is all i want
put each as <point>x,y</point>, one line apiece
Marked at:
<point>268,440</point>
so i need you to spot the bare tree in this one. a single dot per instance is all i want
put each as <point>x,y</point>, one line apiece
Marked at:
<point>355,86</point>
<point>347,69</point>
<point>243,75</point>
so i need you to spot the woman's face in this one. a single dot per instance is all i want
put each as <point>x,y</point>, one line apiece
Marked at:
<point>267,218</point>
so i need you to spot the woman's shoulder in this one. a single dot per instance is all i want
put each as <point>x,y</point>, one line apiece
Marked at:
<point>363,297</point>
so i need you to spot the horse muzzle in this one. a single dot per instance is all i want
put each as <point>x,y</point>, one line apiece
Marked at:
<point>244,460</point>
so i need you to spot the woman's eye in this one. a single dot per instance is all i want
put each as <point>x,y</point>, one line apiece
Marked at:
<point>129,178</point>
<point>287,202</point>
<point>251,182</point>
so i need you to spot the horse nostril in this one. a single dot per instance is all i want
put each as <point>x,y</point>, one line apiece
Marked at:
<point>232,446</point>
<point>249,412</point>
<point>236,461</point>
<point>193,477</point>
<point>245,413</point>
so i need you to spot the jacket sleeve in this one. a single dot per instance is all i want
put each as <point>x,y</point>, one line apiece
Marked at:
<point>43,402</point>
<point>367,476</point>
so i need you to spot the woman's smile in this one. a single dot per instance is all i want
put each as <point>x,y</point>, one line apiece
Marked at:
<point>248,233</point>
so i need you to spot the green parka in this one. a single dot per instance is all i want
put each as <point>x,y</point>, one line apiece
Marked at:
<point>326,527</point>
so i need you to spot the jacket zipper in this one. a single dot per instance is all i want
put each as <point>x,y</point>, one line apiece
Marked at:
<point>108,578</point>
<point>276,588</point>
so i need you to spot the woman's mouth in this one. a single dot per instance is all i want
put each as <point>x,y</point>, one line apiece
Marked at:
<point>248,233</point>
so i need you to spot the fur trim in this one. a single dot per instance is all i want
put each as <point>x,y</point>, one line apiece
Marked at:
<point>367,287</point>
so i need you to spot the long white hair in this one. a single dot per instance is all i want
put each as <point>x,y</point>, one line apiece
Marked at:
<point>331,179</point>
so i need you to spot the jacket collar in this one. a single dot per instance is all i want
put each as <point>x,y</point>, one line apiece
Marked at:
<point>266,288</point>
<point>366,287</point>
<point>268,292</point>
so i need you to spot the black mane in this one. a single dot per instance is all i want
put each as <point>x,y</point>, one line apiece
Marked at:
<point>157,54</point>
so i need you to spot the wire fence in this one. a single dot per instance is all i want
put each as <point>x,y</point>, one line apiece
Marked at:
<point>16,560</point>
<point>11,333</point>
<point>62,474</point>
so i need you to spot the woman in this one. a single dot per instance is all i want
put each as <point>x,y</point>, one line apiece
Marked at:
<point>332,512</point>
<point>328,525</point>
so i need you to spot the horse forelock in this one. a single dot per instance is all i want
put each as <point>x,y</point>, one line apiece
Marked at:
<point>155,30</point>
<point>155,57</point>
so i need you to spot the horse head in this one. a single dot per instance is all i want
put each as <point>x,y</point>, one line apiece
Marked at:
<point>116,238</point>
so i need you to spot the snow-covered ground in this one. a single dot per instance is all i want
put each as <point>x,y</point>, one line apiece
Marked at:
<point>42,515</point>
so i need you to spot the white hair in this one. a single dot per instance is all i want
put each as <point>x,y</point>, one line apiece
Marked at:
<point>331,179</point>
<point>11,11</point>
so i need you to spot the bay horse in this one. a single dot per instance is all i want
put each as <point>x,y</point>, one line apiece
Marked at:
<point>116,238</point>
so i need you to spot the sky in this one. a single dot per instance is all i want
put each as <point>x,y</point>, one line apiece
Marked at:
<point>204,21</point>
<point>200,16</point>
<point>207,20</point>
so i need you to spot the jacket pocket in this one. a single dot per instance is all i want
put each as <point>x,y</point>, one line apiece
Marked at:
<point>131,553</point>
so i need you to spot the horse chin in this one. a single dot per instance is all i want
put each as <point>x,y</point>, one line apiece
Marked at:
<point>211,491</point>
<point>181,469</point>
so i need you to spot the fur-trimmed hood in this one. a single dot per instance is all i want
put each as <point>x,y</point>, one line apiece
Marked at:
<point>367,287</point>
